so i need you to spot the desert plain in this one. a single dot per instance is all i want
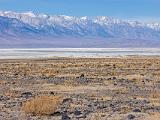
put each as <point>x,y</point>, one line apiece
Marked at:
<point>121,88</point>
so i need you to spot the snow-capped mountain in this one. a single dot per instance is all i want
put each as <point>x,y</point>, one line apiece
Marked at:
<point>41,30</point>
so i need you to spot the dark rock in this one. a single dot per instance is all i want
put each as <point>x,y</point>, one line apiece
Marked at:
<point>3,98</point>
<point>130,117</point>
<point>103,115</point>
<point>82,76</point>
<point>67,100</point>
<point>96,103</point>
<point>89,105</point>
<point>13,83</point>
<point>77,112</point>
<point>26,94</point>
<point>115,84</point>
<point>112,78</point>
<point>109,78</point>
<point>114,66</point>
<point>81,117</point>
<point>10,104</point>
<point>136,110</point>
<point>111,105</point>
<point>65,116</point>
<point>146,102</point>
<point>87,112</point>
<point>16,74</point>
<point>56,113</point>
<point>52,93</point>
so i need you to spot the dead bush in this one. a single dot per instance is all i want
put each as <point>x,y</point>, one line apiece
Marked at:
<point>43,105</point>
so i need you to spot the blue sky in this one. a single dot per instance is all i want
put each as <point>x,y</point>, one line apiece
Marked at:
<point>143,10</point>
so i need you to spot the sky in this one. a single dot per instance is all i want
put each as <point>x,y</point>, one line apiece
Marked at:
<point>143,10</point>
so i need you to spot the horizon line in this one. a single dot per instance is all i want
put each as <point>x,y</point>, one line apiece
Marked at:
<point>134,19</point>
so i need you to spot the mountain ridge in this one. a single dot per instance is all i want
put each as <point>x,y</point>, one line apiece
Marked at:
<point>53,30</point>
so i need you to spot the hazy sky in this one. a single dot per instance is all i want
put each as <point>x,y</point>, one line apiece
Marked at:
<point>144,10</point>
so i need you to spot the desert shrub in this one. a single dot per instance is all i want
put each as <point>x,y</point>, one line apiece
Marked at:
<point>43,105</point>
<point>49,72</point>
<point>2,82</point>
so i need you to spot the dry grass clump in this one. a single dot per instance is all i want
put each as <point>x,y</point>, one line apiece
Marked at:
<point>153,116</point>
<point>2,82</point>
<point>155,102</point>
<point>69,83</point>
<point>11,93</point>
<point>49,72</point>
<point>43,105</point>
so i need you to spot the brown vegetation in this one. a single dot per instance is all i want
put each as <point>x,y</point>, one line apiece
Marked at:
<point>43,105</point>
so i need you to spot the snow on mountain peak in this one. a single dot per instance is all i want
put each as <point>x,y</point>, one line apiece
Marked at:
<point>101,26</point>
<point>84,18</point>
<point>39,19</point>
<point>67,17</point>
<point>30,14</point>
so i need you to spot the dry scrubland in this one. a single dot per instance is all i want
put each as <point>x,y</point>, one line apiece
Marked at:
<point>80,88</point>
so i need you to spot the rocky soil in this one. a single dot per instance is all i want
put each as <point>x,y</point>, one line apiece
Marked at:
<point>91,88</point>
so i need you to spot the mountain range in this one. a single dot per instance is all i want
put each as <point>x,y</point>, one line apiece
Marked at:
<point>31,30</point>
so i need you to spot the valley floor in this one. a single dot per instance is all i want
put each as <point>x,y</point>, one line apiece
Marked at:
<point>80,89</point>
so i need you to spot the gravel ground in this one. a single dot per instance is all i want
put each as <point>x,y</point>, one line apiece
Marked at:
<point>91,88</point>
